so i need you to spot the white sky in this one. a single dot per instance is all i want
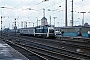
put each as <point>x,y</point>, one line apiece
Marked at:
<point>38,5</point>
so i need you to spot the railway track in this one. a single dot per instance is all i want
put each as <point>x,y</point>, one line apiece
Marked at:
<point>29,54</point>
<point>53,46</point>
<point>84,43</point>
<point>50,49</point>
<point>75,39</point>
<point>45,54</point>
<point>76,44</point>
<point>50,52</point>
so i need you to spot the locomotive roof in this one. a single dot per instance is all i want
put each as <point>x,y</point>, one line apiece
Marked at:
<point>46,26</point>
<point>28,28</point>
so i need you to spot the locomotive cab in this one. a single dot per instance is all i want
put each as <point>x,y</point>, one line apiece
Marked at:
<point>44,32</point>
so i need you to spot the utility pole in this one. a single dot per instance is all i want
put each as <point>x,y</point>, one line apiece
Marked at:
<point>33,24</point>
<point>66,14</point>
<point>1,27</point>
<point>1,19</point>
<point>37,21</point>
<point>43,12</point>
<point>29,24</point>
<point>50,20</point>
<point>58,24</point>
<point>15,27</point>
<point>83,18</point>
<point>22,24</point>
<point>44,15</point>
<point>26,24</point>
<point>54,20</point>
<point>72,13</point>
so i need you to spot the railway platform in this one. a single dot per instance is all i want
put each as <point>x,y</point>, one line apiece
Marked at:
<point>8,53</point>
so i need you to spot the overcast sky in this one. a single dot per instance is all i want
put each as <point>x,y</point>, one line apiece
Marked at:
<point>22,14</point>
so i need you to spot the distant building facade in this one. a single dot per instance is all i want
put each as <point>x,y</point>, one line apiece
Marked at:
<point>44,21</point>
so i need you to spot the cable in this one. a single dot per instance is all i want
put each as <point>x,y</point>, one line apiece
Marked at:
<point>35,5</point>
<point>20,3</point>
<point>16,6</point>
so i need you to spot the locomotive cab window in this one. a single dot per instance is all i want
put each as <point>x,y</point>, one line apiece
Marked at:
<point>39,30</point>
<point>51,31</point>
<point>46,30</point>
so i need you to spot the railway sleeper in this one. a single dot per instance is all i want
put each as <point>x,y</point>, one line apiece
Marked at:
<point>64,50</point>
<point>80,53</point>
<point>56,52</point>
<point>61,54</point>
<point>26,49</point>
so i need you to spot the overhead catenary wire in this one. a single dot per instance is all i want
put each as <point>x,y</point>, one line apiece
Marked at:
<point>35,5</point>
<point>23,2</point>
<point>15,7</point>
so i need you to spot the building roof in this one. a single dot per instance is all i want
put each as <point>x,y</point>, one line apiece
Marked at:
<point>44,18</point>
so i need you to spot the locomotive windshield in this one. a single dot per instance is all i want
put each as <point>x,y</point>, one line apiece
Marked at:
<point>45,30</point>
<point>51,31</point>
<point>39,30</point>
